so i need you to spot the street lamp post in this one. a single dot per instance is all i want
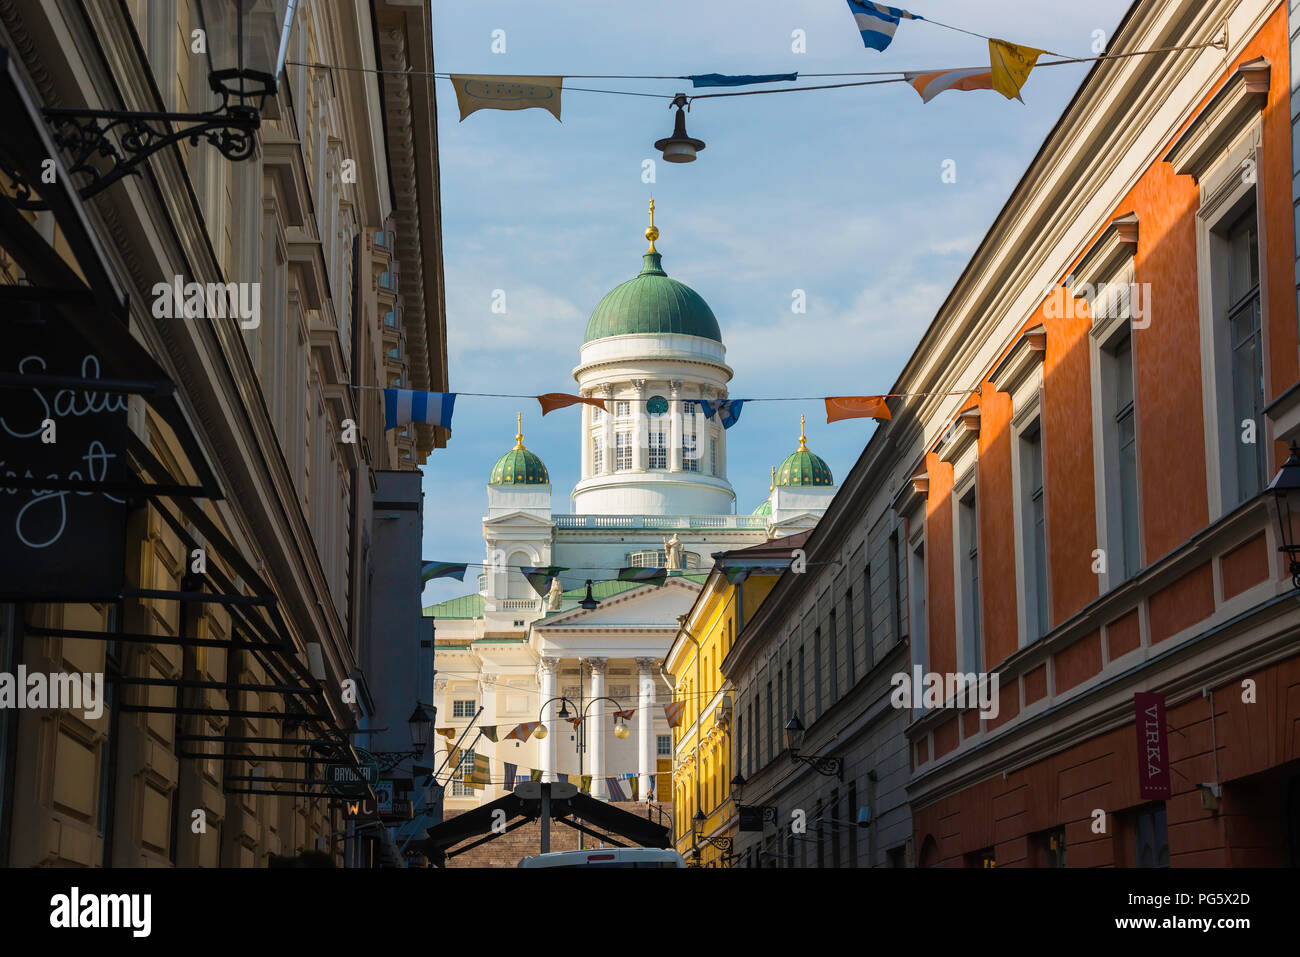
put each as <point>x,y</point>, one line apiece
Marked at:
<point>1285,489</point>
<point>794,735</point>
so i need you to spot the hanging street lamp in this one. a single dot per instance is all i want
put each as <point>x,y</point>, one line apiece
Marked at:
<point>1285,489</point>
<point>679,148</point>
<point>244,43</point>
<point>794,735</point>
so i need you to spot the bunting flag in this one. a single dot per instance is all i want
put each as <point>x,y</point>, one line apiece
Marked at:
<point>447,733</point>
<point>650,788</point>
<point>478,92</point>
<point>562,400</point>
<point>632,783</point>
<point>722,79</point>
<point>931,83</point>
<point>563,777</point>
<point>481,776</point>
<point>539,576</point>
<point>856,407</point>
<point>877,22</point>
<point>534,774</point>
<point>647,576</point>
<point>673,711</point>
<point>1011,65</point>
<point>453,757</point>
<point>489,731</point>
<point>727,410</point>
<point>523,731</point>
<point>625,715</point>
<point>402,406</point>
<point>575,722</point>
<point>615,789</point>
<point>433,570</point>
<point>585,787</point>
<point>511,771</point>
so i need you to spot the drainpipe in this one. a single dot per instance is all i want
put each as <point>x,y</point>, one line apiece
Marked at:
<point>681,622</point>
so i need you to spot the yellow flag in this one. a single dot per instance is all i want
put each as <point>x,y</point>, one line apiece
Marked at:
<point>475,93</point>
<point>1011,64</point>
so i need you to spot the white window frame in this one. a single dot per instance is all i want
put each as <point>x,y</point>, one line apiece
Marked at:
<point>458,712</point>
<point>1028,418</point>
<point>1107,331</point>
<point>657,444</point>
<point>622,450</point>
<point>597,453</point>
<point>966,616</point>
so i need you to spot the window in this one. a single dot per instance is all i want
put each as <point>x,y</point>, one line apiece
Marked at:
<point>1118,516</point>
<point>658,450</point>
<point>897,615</point>
<point>916,614</point>
<point>789,686</point>
<point>1051,847</point>
<point>817,676</point>
<point>848,638</point>
<point>622,451</point>
<point>664,745</point>
<point>597,413</point>
<point>690,453</point>
<point>835,661</point>
<point>623,409</point>
<point>770,752</point>
<point>463,709</point>
<point>1152,833</point>
<point>968,568</point>
<point>1033,519</point>
<point>1247,355</point>
<point>868,633</point>
<point>465,767</point>
<point>802,708</point>
<point>984,858</point>
<point>597,456</point>
<point>688,410</point>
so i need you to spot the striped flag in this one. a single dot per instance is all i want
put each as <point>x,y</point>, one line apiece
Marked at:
<point>673,711</point>
<point>877,22</point>
<point>511,771</point>
<point>403,406</point>
<point>523,731</point>
<point>432,570</point>
<point>539,576</point>
<point>534,774</point>
<point>933,82</point>
<point>562,400</point>
<point>586,784</point>
<point>481,775</point>
<point>615,790</point>
<point>647,576</point>
<point>490,732</point>
<point>856,407</point>
<point>727,410</point>
<point>632,782</point>
<point>453,757</point>
<point>575,722</point>
<point>650,790</point>
<point>626,714</point>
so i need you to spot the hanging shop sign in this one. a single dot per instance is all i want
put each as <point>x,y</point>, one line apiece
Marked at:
<point>1153,746</point>
<point>60,544</point>
<point>340,779</point>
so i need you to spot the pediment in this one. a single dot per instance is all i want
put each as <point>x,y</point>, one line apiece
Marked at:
<point>647,606</point>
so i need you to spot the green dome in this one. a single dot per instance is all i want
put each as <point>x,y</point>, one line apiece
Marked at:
<point>650,304</point>
<point>519,466</point>
<point>764,509</point>
<point>802,467</point>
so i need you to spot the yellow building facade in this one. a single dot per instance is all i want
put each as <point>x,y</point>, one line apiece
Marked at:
<point>704,812</point>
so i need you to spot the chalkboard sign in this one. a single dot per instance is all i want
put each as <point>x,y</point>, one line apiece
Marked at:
<point>58,545</point>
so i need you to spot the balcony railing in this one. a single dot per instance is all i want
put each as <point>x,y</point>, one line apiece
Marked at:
<point>661,521</point>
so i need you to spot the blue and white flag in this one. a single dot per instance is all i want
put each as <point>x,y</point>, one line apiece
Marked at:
<point>727,410</point>
<point>403,406</point>
<point>877,22</point>
<point>722,79</point>
<point>432,570</point>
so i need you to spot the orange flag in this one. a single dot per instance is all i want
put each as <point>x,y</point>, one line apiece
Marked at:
<point>561,400</point>
<point>856,407</point>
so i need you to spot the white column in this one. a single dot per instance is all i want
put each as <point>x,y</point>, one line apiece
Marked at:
<point>640,436</point>
<point>675,427</point>
<point>607,429</point>
<point>584,425</point>
<point>645,725</point>
<point>546,756</point>
<point>598,725</point>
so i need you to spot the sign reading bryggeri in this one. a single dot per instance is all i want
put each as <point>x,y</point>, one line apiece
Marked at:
<point>343,781</point>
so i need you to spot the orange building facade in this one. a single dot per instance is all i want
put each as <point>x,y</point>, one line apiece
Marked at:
<point>1091,521</point>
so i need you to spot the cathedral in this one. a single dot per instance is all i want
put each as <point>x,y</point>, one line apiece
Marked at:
<point>583,657</point>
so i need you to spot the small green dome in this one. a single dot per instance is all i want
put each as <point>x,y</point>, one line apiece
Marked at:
<point>651,304</point>
<point>519,466</point>
<point>802,467</point>
<point>764,509</point>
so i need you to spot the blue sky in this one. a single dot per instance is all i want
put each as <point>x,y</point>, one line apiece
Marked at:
<point>837,192</point>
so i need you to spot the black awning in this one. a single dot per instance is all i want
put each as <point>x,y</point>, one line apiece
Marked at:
<point>478,823</point>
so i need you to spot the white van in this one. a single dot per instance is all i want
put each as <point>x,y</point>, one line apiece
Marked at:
<point>607,857</point>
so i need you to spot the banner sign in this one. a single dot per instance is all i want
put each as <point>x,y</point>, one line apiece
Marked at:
<point>60,545</point>
<point>1153,746</point>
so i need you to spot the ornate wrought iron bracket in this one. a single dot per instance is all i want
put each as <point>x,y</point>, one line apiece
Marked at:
<point>105,146</point>
<point>388,760</point>
<point>831,767</point>
<point>721,843</point>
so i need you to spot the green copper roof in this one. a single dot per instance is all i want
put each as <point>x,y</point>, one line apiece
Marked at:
<point>466,606</point>
<point>519,467</point>
<point>650,303</point>
<point>802,467</point>
<point>765,508</point>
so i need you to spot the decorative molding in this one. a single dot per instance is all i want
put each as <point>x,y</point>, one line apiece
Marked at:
<point>963,431</point>
<point>1118,242</point>
<point>595,666</point>
<point>1228,114</point>
<point>1025,357</point>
